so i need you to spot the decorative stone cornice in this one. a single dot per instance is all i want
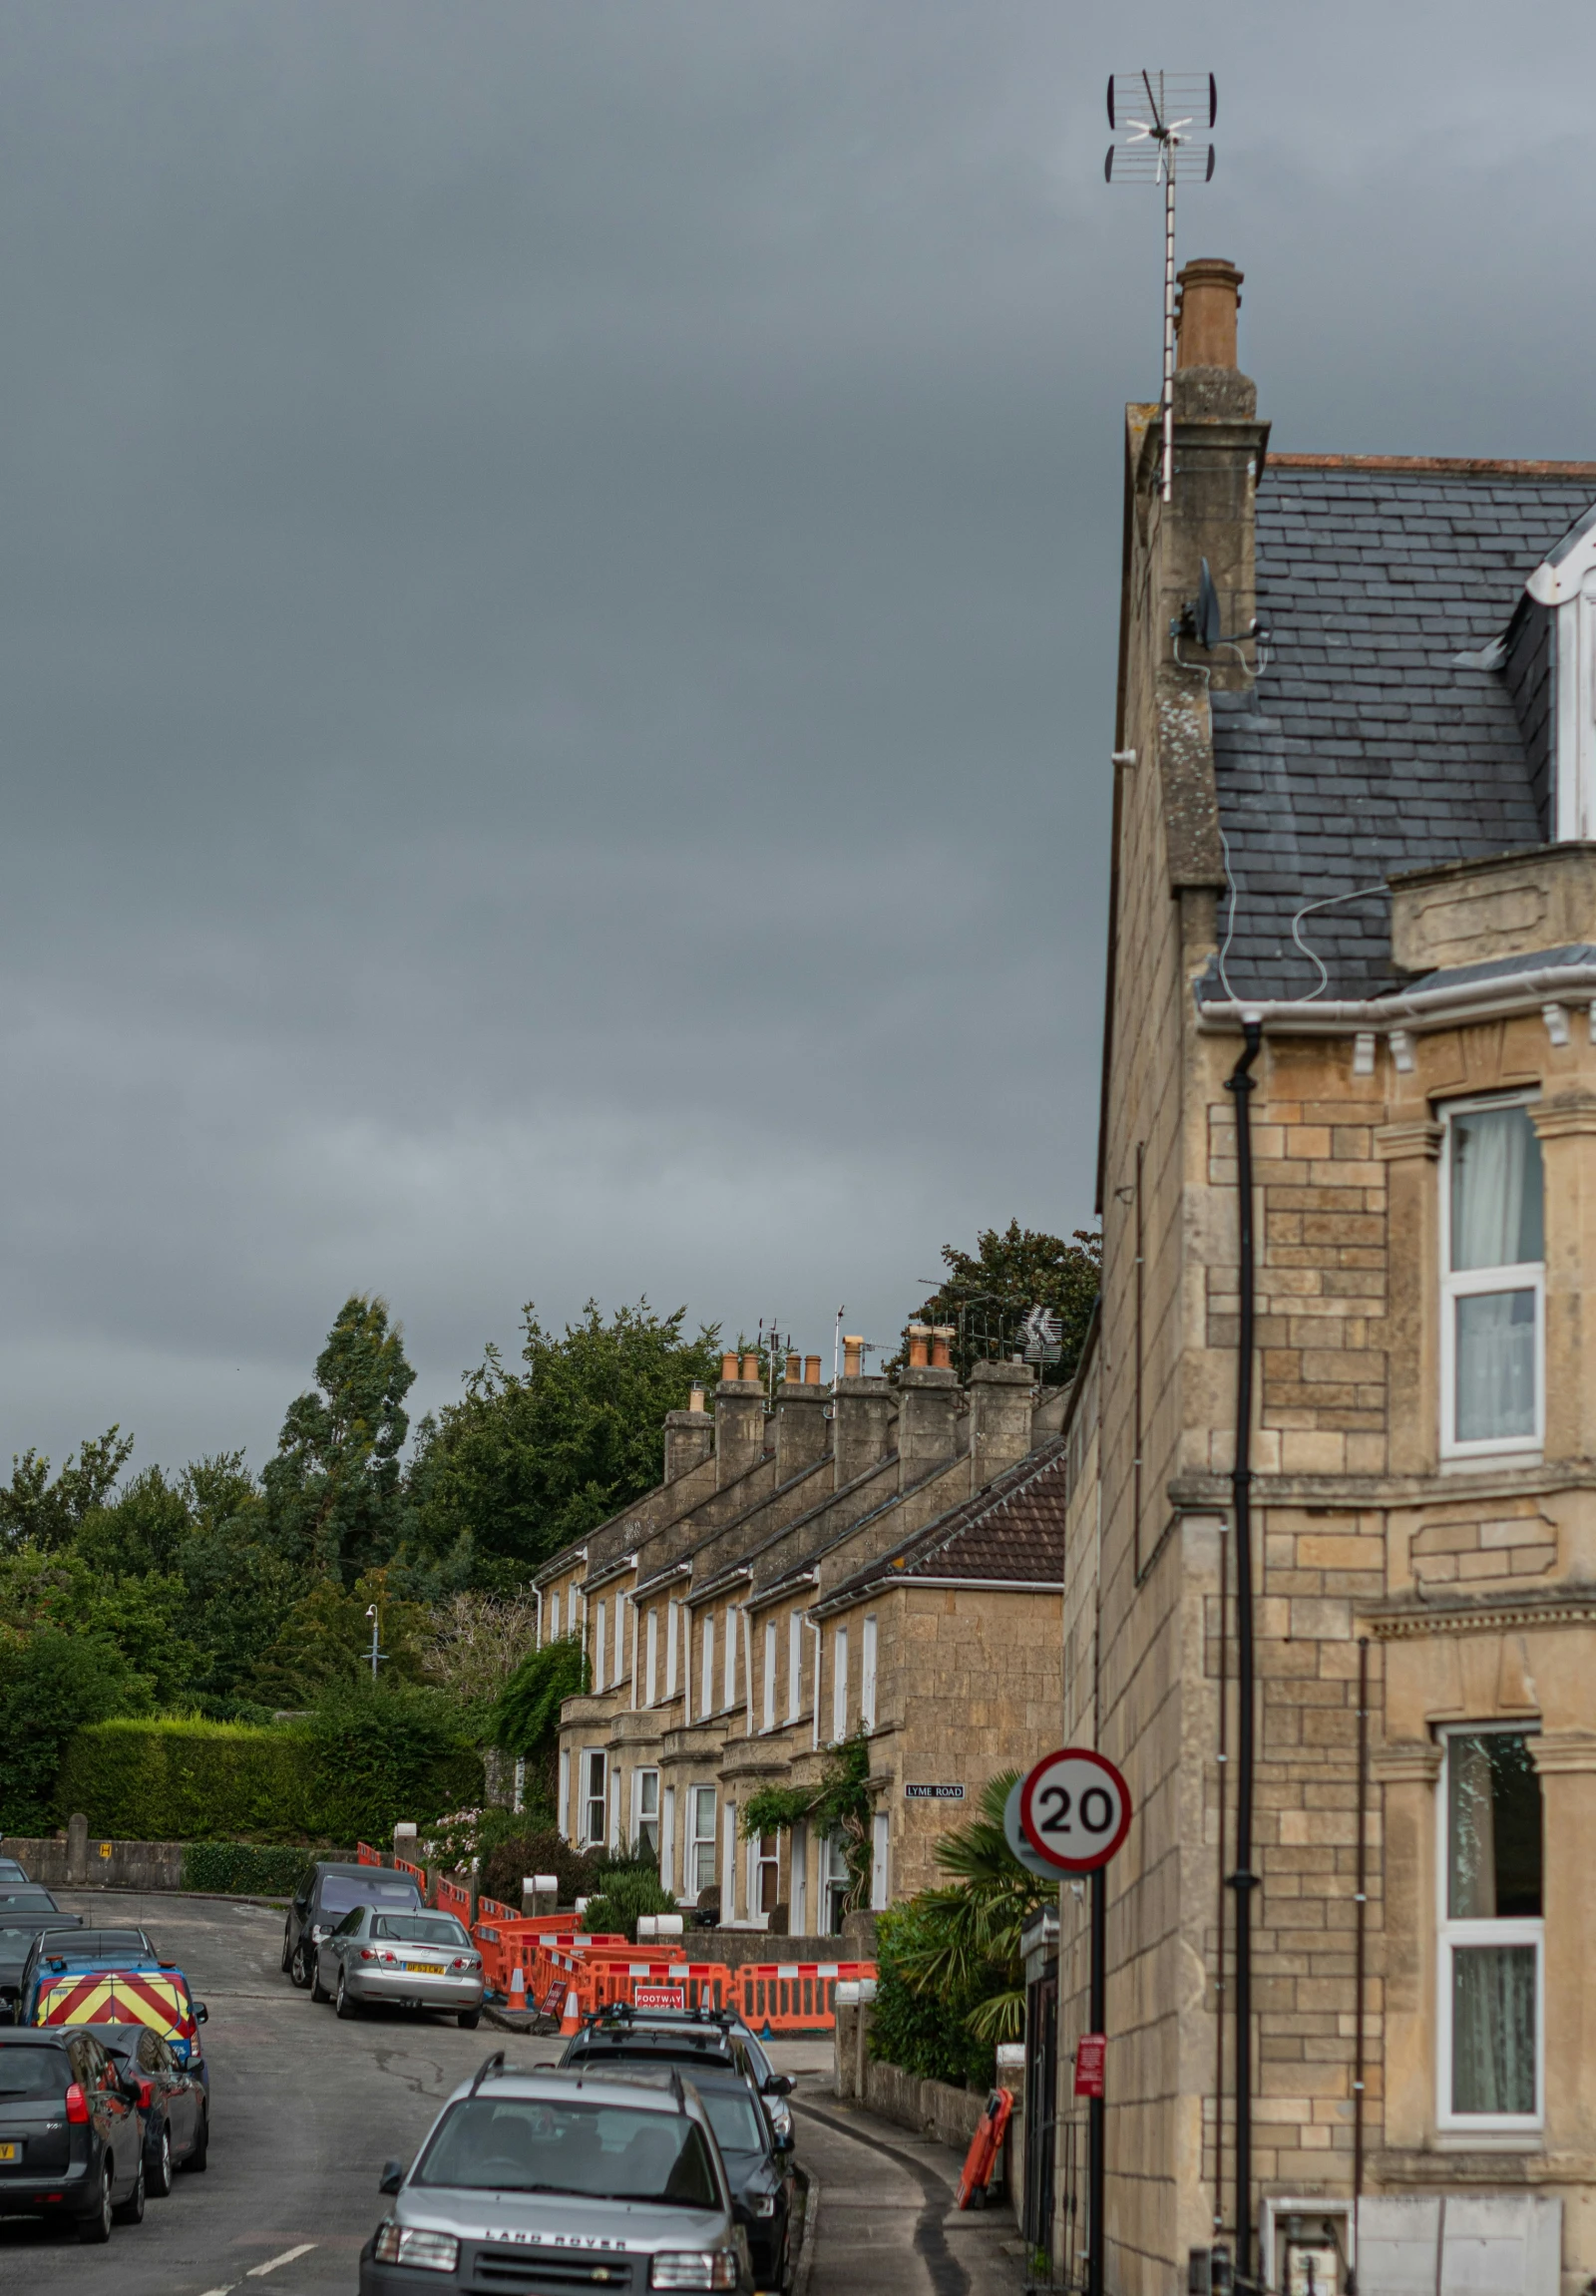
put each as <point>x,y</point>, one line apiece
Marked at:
<point>1404,1617</point>
<point>1409,1761</point>
<point>1558,1752</point>
<point>1417,1137</point>
<point>1570,1113</point>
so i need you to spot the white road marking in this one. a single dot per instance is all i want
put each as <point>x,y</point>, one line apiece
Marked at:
<point>259,2271</point>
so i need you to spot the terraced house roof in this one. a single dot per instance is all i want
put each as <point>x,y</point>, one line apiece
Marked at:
<point>1010,1533</point>
<point>1368,746</point>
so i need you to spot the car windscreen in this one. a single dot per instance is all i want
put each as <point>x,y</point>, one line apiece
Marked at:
<point>734,2117</point>
<point>31,2070</point>
<point>14,1922</point>
<point>419,1929</point>
<point>29,1901</point>
<point>603,2151</point>
<point>130,1941</point>
<point>342,1892</point>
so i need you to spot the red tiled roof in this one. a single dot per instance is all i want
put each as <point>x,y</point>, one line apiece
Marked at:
<point>1011,1532</point>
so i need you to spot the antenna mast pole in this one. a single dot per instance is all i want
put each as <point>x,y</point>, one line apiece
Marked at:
<point>1170,320</point>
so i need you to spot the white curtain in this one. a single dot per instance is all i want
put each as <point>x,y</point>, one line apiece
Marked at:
<point>1496,1189</point>
<point>1496,1365</point>
<point>1493,2029</point>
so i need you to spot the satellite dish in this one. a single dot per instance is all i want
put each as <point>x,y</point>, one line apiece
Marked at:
<point>1207,616</point>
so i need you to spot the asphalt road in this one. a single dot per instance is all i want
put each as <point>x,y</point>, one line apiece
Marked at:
<point>305,2110</point>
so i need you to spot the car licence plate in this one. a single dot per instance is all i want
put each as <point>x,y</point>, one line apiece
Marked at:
<point>422,1968</point>
<point>10,2151</point>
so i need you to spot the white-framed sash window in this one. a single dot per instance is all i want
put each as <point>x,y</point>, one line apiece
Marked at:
<point>645,1810</point>
<point>594,1794</point>
<point>839,1684</point>
<point>563,1812</point>
<point>701,1841</point>
<point>652,1655</point>
<point>672,1627</point>
<point>867,1676</point>
<point>553,1619</point>
<point>1490,2020</point>
<point>768,1686</point>
<point>795,1665</point>
<point>706,1678</point>
<point>599,1646</point>
<point>1493,1281</point>
<point>729,1685</point>
<point>728,1865</point>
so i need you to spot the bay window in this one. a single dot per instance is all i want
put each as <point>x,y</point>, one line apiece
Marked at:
<point>1492,1351</point>
<point>1489,1978</point>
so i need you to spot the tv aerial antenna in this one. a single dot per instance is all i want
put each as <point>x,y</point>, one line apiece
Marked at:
<point>1160,109</point>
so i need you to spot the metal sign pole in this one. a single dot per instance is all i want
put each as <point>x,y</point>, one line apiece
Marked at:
<point>1097,2106</point>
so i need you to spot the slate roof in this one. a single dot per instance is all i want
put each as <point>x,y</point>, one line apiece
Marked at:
<point>1011,1532</point>
<point>1365,747</point>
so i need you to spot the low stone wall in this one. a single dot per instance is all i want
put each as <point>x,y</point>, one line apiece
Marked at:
<point>80,1862</point>
<point>929,2108</point>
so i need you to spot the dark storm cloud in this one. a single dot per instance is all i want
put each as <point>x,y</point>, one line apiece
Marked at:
<point>557,621</point>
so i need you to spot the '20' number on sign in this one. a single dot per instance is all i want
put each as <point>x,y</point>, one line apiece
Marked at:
<point>1075,1810</point>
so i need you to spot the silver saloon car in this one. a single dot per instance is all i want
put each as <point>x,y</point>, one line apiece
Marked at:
<point>413,1960</point>
<point>551,2181</point>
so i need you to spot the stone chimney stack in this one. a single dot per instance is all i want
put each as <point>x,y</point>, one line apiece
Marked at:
<point>1219,450</point>
<point>690,1436</point>
<point>739,1419</point>
<point>927,1410</point>
<point>999,1419</point>
<point>861,1416</point>
<point>802,1432</point>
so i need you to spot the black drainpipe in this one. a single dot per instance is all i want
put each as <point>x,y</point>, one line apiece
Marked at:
<point>1243,1881</point>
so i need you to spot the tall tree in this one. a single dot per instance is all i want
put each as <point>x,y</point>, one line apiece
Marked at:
<point>986,1293</point>
<point>529,1459</point>
<point>45,1511</point>
<point>334,1493</point>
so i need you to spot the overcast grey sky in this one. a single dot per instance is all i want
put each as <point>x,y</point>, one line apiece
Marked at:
<point>556,622</point>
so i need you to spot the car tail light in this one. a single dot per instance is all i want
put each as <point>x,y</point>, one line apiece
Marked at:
<point>465,1961</point>
<point>77,2106</point>
<point>146,2095</point>
<point>368,1953</point>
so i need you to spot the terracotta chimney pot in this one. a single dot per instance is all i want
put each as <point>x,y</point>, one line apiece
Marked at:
<point>695,1397</point>
<point>1210,294</point>
<point>942,1336</point>
<point>853,1357</point>
<point>750,1367</point>
<point>729,1366</point>
<point>811,1370</point>
<point>794,1366</point>
<point>918,1346</point>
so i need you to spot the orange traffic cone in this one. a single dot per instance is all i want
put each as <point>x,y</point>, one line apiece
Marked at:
<point>517,1988</point>
<point>572,2021</point>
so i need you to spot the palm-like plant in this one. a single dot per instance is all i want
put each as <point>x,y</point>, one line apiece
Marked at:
<point>971,1925</point>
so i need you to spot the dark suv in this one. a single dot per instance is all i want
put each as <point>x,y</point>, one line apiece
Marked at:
<point>718,2038</point>
<point>71,2133</point>
<point>327,1891</point>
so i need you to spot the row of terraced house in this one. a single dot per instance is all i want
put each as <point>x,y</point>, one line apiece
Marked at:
<point>878,1555</point>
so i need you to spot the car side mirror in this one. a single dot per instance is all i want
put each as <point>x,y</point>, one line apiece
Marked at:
<point>392,2176</point>
<point>780,2084</point>
<point>201,2015</point>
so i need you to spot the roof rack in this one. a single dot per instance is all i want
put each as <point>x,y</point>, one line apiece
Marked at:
<point>489,2064</point>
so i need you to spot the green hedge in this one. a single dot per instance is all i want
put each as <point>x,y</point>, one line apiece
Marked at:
<point>242,1868</point>
<point>352,1771</point>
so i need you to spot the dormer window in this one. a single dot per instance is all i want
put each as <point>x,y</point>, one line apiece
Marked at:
<point>1563,711</point>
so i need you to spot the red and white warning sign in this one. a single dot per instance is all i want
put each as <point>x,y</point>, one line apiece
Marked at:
<point>660,1997</point>
<point>1075,1810</point>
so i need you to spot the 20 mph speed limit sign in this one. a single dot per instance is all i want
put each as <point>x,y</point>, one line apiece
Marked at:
<point>1075,1810</point>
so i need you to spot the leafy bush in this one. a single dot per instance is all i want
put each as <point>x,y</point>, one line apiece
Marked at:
<point>927,2034</point>
<point>627,1891</point>
<point>242,1868</point>
<point>527,1716</point>
<point>51,1682</point>
<point>540,1850</point>
<point>358,1763</point>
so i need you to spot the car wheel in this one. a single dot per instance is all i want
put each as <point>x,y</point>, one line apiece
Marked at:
<point>318,1991</point>
<point>347,2003</point>
<point>285,1949</point>
<point>157,2166</point>
<point>132,2209</point>
<point>95,2227</point>
<point>201,2144</point>
<point>300,1966</point>
<point>470,2018</point>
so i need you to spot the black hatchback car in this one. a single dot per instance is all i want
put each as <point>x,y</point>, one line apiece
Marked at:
<point>171,2096</point>
<point>71,2132</point>
<point>327,1891</point>
<point>25,1911</point>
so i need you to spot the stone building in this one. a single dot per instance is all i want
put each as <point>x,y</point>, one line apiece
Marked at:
<point>879,1556</point>
<point>1354,905</point>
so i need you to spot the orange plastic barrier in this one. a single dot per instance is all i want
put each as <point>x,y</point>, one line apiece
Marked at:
<point>985,2146</point>
<point>788,1997</point>
<point>417,1872</point>
<point>451,1898</point>
<point>366,1856</point>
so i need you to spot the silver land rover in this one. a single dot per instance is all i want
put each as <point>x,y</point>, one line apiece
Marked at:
<point>553,2180</point>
